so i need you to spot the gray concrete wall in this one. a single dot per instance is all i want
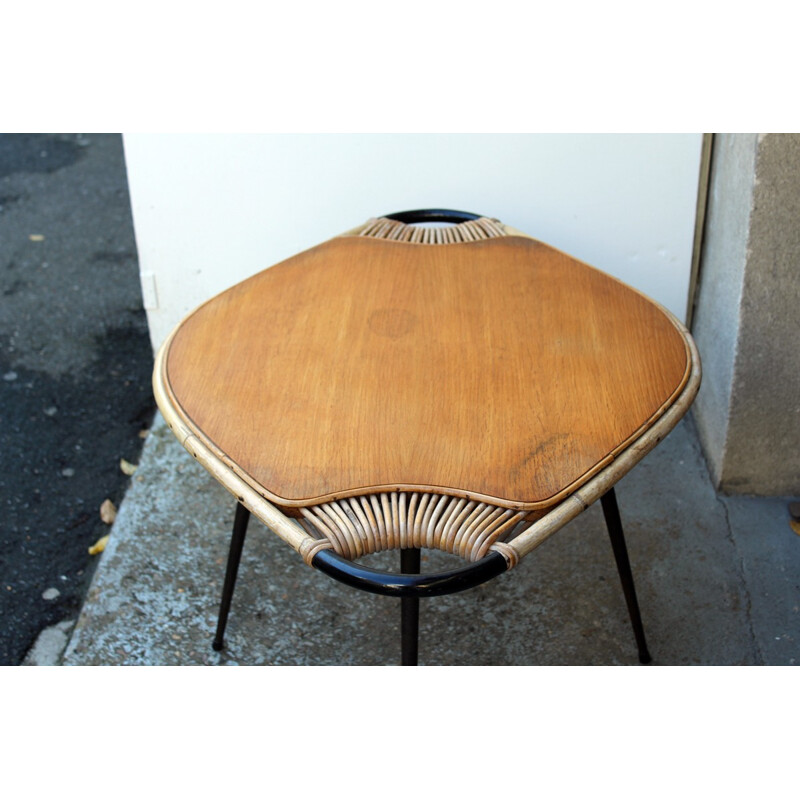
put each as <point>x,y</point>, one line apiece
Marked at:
<point>716,316</point>
<point>746,320</point>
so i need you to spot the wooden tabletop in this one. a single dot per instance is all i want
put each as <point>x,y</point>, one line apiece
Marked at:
<point>500,370</point>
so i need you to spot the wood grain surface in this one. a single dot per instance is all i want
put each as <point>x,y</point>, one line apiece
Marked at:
<point>500,370</point>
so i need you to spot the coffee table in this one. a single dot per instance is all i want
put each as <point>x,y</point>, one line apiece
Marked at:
<point>429,379</point>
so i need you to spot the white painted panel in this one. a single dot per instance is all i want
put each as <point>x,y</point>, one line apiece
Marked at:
<point>210,210</point>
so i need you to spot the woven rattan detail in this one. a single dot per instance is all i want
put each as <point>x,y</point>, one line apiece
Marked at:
<point>357,526</point>
<point>471,231</point>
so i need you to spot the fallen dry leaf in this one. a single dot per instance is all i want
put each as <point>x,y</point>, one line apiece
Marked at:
<point>127,467</point>
<point>108,512</point>
<point>795,526</point>
<point>99,545</point>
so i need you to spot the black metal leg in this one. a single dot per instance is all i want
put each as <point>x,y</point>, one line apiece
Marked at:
<point>409,610</point>
<point>234,555</point>
<point>614,524</point>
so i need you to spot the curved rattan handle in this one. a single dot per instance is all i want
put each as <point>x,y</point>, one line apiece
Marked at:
<point>432,215</point>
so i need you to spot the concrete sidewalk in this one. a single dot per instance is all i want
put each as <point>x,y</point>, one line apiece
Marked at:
<point>718,580</point>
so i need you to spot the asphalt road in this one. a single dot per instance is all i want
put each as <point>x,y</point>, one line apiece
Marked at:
<point>75,364</point>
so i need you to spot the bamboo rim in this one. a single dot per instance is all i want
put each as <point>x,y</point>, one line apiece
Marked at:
<point>470,527</point>
<point>368,523</point>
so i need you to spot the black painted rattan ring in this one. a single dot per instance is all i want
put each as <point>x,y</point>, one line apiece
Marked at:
<point>400,584</point>
<point>432,215</point>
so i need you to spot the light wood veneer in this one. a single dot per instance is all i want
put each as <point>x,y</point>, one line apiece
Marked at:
<point>500,370</point>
